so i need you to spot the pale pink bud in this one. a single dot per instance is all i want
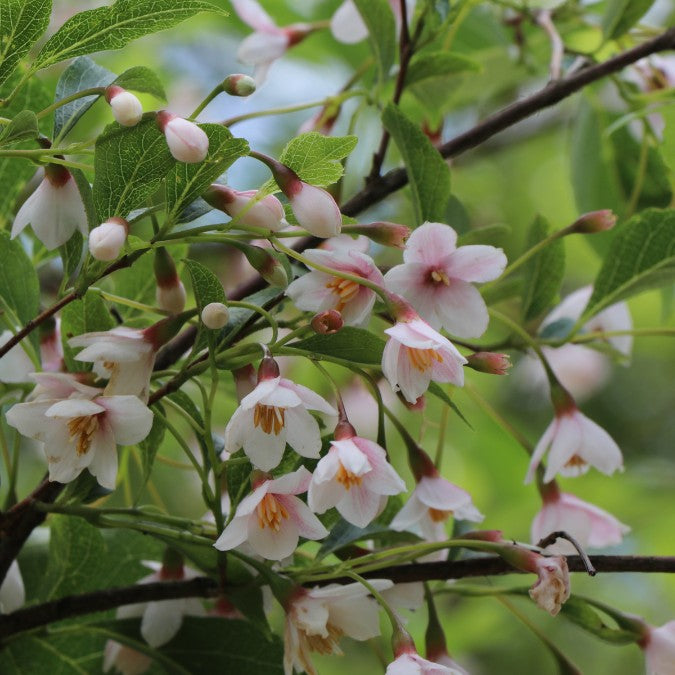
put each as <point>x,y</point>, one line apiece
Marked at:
<point>489,362</point>
<point>267,212</point>
<point>315,209</point>
<point>126,108</point>
<point>186,141</point>
<point>215,315</point>
<point>327,323</point>
<point>385,233</point>
<point>659,649</point>
<point>595,221</point>
<point>106,240</point>
<point>171,298</point>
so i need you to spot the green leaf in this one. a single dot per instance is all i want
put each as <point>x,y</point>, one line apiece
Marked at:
<point>150,445</point>
<point>205,284</point>
<point>142,79</point>
<point>130,164</point>
<point>543,273</point>
<point>115,26</point>
<point>349,344</point>
<point>84,188</point>
<point>489,234</point>
<point>436,390</point>
<point>83,316</point>
<point>82,73</point>
<point>22,127</point>
<point>621,15</point>
<point>381,24</point>
<point>186,182</point>
<point>641,256</point>
<point>581,613</point>
<point>21,24</point>
<point>71,254</point>
<point>427,171</point>
<point>19,286</point>
<point>239,316</point>
<point>316,158</point>
<point>438,65</point>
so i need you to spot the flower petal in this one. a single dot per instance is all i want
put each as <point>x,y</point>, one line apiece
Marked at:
<point>129,418</point>
<point>476,263</point>
<point>430,243</point>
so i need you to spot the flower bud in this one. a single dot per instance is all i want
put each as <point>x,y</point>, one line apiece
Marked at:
<point>327,323</point>
<point>126,108</point>
<point>106,240</point>
<point>170,293</point>
<point>267,263</point>
<point>595,221</point>
<point>267,212</point>
<point>215,315</point>
<point>383,232</point>
<point>186,141</point>
<point>489,362</point>
<point>238,85</point>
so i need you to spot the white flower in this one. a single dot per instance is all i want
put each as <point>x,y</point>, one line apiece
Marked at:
<point>15,365</point>
<point>355,477</point>
<point>273,414</point>
<point>316,619</point>
<point>81,433</point>
<point>272,519</point>
<point>106,240</point>
<point>12,591</point>
<point>55,210</point>
<point>416,354</point>
<point>659,649</point>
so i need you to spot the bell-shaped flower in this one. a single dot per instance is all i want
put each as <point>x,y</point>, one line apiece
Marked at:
<point>273,414</point>
<point>12,591</point>
<point>589,525</point>
<point>411,663</point>
<point>187,142</point>
<point>436,278</point>
<point>15,365</point>
<point>659,649</point>
<point>319,291</point>
<point>317,618</point>
<point>431,503</point>
<point>54,211</point>
<point>124,355</point>
<point>82,433</point>
<point>574,443</point>
<point>272,519</point>
<point>355,477</point>
<point>267,212</point>
<point>416,354</point>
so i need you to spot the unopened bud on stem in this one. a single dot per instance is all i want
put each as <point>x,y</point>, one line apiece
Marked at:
<point>489,362</point>
<point>215,315</point>
<point>593,222</point>
<point>170,292</point>
<point>186,141</point>
<point>327,323</point>
<point>106,240</point>
<point>126,108</point>
<point>238,85</point>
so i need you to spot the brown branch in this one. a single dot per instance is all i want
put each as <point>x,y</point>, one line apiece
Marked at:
<point>71,606</point>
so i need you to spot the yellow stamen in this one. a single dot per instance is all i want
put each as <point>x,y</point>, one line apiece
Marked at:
<point>439,276</point>
<point>270,418</point>
<point>347,478</point>
<point>422,359</point>
<point>83,428</point>
<point>439,516</point>
<point>271,512</point>
<point>345,289</point>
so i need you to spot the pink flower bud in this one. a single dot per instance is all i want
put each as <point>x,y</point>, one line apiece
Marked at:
<point>595,221</point>
<point>238,85</point>
<point>267,212</point>
<point>383,232</point>
<point>126,108</point>
<point>215,315</point>
<point>315,209</point>
<point>106,240</point>
<point>489,362</point>
<point>186,141</point>
<point>171,298</point>
<point>327,323</point>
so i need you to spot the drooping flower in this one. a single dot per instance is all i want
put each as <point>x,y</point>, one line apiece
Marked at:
<point>411,663</point>
<point>83,433</point>
<point>416,354</point>
<point>267,212</point>
<point>272,519</point>
<point>187,142</point>
<point>319,291</point>
<point>436,278</point>
<point>55,210</point>
<point>317,618</point>
<point>589,525</point>
<point>126,108</point>
<point>355,477</point>
<point>273,414</point>
<point>15,365</point>
<point>659,648</point>
<point>106,240</point>
<point>12,590</point>
<point>574,443</point>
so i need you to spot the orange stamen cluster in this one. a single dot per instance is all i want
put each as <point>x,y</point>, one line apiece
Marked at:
<point>327,644</point>
<point>269,418</point>
<point>83,428</point>
<point>440,277</point>
<point>345,289</point>
<point>422,359</point>
<point>439,516</point>
<point>347,478</point>
<point>271,512</point>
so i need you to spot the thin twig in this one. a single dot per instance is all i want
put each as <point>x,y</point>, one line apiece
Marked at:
<point>560,534</point>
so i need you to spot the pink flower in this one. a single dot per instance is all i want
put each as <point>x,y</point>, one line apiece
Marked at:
<point>187,142</point>
<point>267,212</point>
<point>355,477</point>
<point>411,663</point>
<point>575,443</point>
<point>431,503</point>
<point>416,354</point>
<point>273,414</point>
<point>83,433</point>
<point>435,278</point>
<point>659,649</point>
<point>271,519</point>
<point>318,291</point>
<point>316,619</point>
<point>552,587</point>
<point>589,525</point>
<point>55,210</point>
